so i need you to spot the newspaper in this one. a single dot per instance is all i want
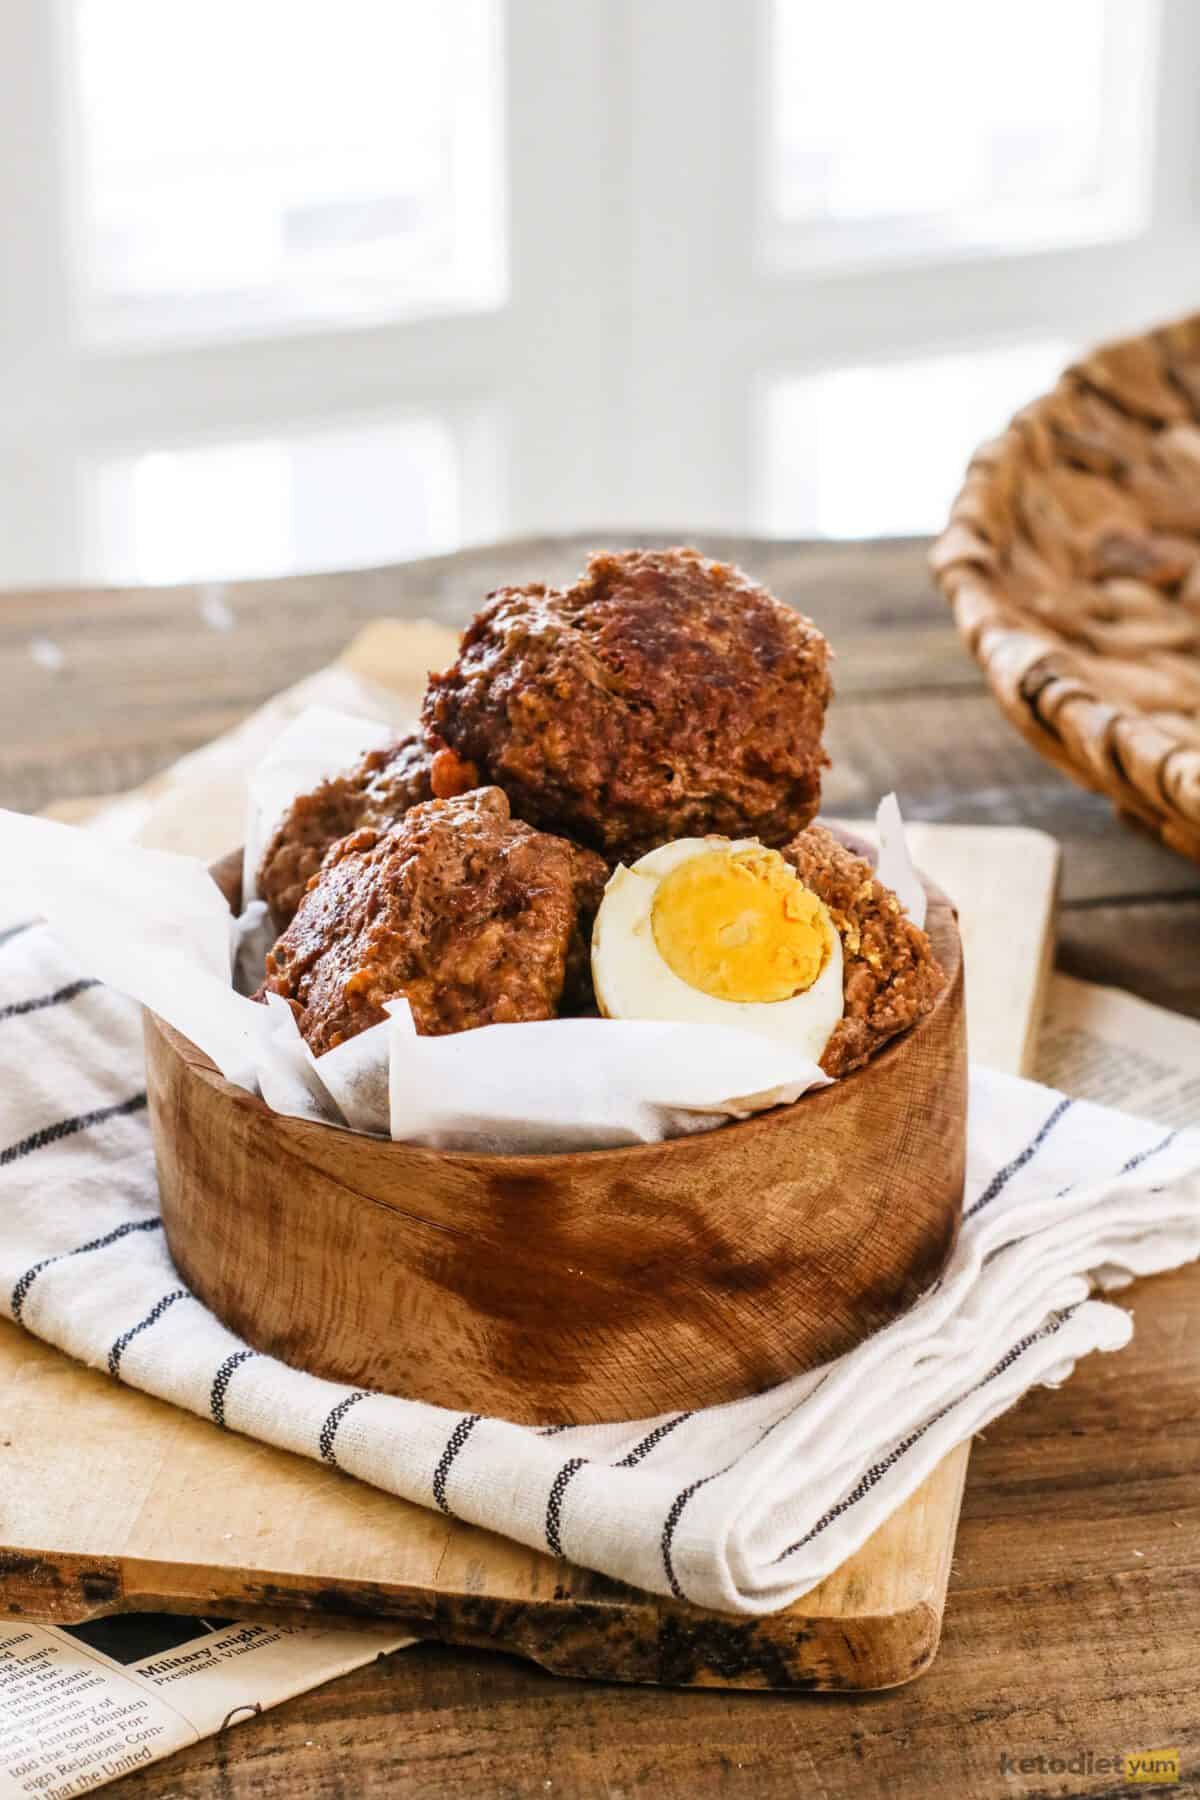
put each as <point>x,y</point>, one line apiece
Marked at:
<point>1099,1043</point>
<point>82,1705</point>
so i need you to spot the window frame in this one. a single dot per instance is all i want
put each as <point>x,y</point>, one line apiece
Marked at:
<point>631,228</point>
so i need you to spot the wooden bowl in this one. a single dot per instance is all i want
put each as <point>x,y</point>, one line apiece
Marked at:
<point>1072,562</point>
<point>596,1285</point>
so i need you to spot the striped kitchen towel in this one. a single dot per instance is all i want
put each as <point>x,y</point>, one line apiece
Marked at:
<point>742,1507</point>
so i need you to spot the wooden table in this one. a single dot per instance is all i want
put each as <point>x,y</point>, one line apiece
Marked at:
<point>1073,1623</point>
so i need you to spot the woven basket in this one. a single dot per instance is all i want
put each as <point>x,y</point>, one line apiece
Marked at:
<point>1072,562</point>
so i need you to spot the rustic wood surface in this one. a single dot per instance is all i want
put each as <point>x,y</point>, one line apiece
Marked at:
<point>1073,1615</point>
<point>108,1503</point>
<point>116,1502</point>
<point>581,1287</point>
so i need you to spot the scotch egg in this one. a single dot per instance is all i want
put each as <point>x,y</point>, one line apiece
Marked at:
<point>719,931</point>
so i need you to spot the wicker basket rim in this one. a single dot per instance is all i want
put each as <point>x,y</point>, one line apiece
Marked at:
<point>1021,659</point>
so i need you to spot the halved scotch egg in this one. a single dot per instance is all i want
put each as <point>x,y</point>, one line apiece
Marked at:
<point>719,931</point>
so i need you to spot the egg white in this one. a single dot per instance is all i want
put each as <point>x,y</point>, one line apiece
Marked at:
<point>633,981</point>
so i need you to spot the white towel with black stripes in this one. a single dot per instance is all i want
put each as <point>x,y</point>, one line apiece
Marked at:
<point>742,1507</point>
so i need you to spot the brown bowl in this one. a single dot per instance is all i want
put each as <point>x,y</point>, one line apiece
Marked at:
<point>1072,562</point>
<point>587,1286</point>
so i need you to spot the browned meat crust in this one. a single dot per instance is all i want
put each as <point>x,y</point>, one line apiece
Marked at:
<point>375,793</point>
<point>892,977</point>
<point>591,874</point>
<point>466,911</point>
<point>661,696</point>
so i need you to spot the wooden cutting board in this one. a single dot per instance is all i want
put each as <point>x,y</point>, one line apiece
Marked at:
<point>111,1501</point>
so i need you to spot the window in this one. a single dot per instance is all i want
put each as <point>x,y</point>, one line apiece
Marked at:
<point>285,163</point>
<point>880,449</point>
<point>290,285</point>
<point>906,130</point>
<point>361,491</point>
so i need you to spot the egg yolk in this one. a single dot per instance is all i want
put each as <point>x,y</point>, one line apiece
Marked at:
<point>740,925</point>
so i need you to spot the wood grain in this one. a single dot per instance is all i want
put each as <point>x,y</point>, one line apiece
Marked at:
<point>573,1288</point>
<point>292,1538</point>
<point>101,1515</point>
<point>1057,1635</point>
<point>145,679</point>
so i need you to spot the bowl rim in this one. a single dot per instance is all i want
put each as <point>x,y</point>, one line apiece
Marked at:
<point>1055,699</point>
<point>947,944</point>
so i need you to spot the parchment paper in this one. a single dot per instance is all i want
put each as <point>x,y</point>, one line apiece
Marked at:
<point>155,926</point>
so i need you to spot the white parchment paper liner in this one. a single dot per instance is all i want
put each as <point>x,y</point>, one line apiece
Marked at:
<point>155,926</point>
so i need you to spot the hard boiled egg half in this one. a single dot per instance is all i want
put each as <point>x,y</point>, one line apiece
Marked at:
<point>719,931</point>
